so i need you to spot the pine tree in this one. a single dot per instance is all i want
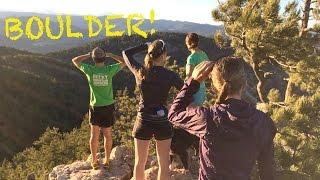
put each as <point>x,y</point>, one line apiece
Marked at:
<point>262,35</point>
<point>298,138</point>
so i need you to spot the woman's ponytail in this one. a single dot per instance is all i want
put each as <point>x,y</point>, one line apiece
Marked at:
<point>155,50</point>
<point>228,77</point>
<point>224,92</point>
<point>149,61</point>
<point>148,64</point>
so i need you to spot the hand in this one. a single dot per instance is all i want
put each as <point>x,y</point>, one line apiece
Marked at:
<point>148,44</point>
<point>202,71</point>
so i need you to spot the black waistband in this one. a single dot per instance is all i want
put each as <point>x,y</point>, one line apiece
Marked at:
<point>152,118</point>
<point>101,107</point>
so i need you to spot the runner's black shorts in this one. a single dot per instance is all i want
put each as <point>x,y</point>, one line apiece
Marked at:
<point>146,130</point>
<point>102,116</point>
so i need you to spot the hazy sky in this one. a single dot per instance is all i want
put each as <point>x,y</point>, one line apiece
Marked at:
<point>186,10</point>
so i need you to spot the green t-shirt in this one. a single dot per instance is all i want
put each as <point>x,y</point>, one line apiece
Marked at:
<point>194,59</point>
<point>100,83</point>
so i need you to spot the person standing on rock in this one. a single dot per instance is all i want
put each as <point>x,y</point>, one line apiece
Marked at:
<point>233,134</point>
<point>101,110</point>
<point>154,82</point>
<point>196,57</point>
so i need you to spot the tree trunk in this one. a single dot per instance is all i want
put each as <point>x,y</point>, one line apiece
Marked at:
<point>261,82</point>
<point>289,90</point>
<point>305,17</point>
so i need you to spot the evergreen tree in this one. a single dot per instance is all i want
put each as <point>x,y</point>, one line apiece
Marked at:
<point>262,35</point>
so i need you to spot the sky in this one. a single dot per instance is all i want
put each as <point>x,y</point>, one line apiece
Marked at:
<point>198,11</point>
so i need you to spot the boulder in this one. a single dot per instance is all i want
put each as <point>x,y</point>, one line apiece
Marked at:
<point>175,174</point>
<point>121,166</point>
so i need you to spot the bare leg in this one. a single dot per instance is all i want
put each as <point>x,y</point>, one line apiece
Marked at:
<point>94,142</point>
<point>107,134</point>
<point>141,157</point>
<point>163,155</point>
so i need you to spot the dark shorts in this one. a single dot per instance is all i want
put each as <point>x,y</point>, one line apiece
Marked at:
<point>146,130</point>
<point>102,116</point>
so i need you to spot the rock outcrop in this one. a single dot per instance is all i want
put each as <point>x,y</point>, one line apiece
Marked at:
<point>121,168</point>
<point>121,165</point>
<point>176,174</point>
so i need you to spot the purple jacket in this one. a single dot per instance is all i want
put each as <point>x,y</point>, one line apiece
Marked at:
<point>233,136</point>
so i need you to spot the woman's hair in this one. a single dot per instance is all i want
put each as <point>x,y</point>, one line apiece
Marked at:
<point>192,39</point>
<point>228,77</point>
<point>155,50</point>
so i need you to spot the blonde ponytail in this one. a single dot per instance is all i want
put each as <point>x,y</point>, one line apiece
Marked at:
<point>228,77</point>
<point>224,92</point>
<point>155,50</point>
<point>148,64</point>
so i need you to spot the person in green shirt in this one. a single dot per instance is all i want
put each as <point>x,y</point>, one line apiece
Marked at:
<point>196,57</point>
<point>101,107</point>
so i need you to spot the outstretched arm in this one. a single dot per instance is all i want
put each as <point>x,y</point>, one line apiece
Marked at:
<point>77,60</point>
<point>128,54</point>
<point>117,58</point>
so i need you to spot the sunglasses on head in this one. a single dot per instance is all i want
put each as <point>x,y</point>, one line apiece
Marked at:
<point>163,44</point>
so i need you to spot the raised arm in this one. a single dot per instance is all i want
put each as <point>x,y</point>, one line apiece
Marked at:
<point>191,119</point>
<point>128,54</point>
<point>117,58</point>
<point>77,60</point>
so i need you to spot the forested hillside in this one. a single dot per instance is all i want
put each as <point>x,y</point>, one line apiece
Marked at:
<point>36,92</point>
<point>175,42</point>
<point>177,49</point>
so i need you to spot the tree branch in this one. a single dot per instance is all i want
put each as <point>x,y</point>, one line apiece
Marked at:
<point>280,104</point>
<point>273,59</point>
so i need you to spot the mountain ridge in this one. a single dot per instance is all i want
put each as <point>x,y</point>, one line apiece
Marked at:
<point>45,45</point>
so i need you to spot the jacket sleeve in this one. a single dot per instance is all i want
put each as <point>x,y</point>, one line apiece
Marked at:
<point>191,119</point>
<point>266,162</point>
<point>130,61</point>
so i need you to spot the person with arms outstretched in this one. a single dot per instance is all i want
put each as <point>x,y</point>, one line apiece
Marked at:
<point>101,109</point>
<point>233,134</point>
<point>154,82</point>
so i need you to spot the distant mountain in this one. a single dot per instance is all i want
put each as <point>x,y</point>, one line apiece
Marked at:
<point>45,45</point>
<point>175,42</point>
